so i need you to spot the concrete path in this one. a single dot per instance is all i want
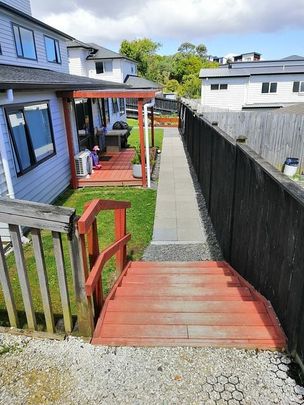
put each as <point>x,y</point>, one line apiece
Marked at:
<point>177,218</point>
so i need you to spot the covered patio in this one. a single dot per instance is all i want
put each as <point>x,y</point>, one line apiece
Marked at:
<point>117,169</point>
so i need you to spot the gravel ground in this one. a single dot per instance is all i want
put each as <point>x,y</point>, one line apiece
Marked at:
<point>38,372</point>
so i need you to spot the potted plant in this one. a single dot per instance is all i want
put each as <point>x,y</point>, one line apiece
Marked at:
<point>136,162</point>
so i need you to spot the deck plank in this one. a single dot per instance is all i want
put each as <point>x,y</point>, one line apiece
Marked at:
<point>187,304</point>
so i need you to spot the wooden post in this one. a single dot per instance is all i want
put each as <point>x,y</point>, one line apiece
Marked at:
<point>93,248</point>
<point>69,134</point>
<point>7,290</point>
<point>62,281</point>
<point>142,141</point>
<point>83,303</point>
<point>120,232</point>
<point>23,276</point>
<point>152,127</point>
<point>43,280</point>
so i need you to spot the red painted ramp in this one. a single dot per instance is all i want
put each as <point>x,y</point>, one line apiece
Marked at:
<point>186,304</point>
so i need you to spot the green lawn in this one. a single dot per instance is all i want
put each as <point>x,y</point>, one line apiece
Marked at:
<point>140,218</point>
<point>133,139</point>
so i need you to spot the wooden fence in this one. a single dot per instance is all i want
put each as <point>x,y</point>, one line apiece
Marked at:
<point>162,105</point>
<point>258,216</point>
<point>86,261</point>
<point>273,136</point>
<point>60,222</point>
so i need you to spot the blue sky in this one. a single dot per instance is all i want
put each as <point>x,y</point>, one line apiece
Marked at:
<point>274,28</point>
<point>274,45</point>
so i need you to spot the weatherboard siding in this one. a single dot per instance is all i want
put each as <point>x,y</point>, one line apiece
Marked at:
<point>45,182</point>
<point>284,92</point>
<point>114,76</point>
<point>7,41</point>
<point>21,5</point>
<point>77,61</point>
<point>232,98</point>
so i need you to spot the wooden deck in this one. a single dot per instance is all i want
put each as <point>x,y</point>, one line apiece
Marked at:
<point>186,304</point>
<point>115,171</point>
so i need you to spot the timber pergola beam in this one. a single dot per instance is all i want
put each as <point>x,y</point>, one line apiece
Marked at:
<point>143,96</point>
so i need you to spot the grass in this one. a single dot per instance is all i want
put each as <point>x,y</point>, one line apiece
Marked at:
<point>133,139</point>
<point>140,218</point>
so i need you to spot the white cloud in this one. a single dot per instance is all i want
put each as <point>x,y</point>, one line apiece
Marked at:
<point>182,20</point>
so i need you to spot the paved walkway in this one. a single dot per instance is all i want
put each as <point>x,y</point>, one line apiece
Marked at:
<point>177,218</point>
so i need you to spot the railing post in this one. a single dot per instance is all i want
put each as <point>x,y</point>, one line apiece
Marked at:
<point>120,231</point>
<point>93,249</point>
<point>83,303</point>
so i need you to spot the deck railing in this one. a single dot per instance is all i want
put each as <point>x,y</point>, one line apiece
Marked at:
<point>87,228</point>
<point>60,222</point>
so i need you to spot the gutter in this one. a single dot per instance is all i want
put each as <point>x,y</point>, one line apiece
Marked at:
<point>147,147</point>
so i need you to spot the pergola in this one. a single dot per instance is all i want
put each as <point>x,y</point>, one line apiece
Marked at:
<point>143,96</point>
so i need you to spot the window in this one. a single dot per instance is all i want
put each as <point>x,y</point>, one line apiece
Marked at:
<point>298,87</point>
<point>0,49</point>
<point>268,87</point>
<point>31,135</point>
<point>25,42</point>
<point>104,67</point>
<point>115,107</point>
<point>122,106</point>
<point>222,86</point>
<point>52,50</point>
<point>99,67</point>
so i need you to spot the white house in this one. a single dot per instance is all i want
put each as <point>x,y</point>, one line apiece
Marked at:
<point>243,57</point>
<point>34,163</point>
<point>97,62</point>
<point>254,84</point>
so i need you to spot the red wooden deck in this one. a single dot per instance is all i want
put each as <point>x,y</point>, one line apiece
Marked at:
<point>117,171</point>
<point>186,304</point>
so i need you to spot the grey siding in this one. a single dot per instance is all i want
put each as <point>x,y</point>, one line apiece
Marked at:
<point>49,179</point>
<point>9,55</point>
<point>22,5</point>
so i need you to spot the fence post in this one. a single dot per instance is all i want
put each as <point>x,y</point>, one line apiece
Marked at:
<point>120,231</point>
<point>83,304</point>
<point>93,248</point>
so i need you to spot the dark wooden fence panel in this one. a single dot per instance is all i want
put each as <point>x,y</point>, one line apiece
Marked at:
<point>222,188</point>
<point>258,216</point>
<point>162,105</point>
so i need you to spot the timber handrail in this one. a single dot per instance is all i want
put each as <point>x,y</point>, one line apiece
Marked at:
<point>101,261</point>
<point>87,228</point>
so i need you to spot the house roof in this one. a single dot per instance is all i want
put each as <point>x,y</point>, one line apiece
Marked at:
<point>105,53</point>
<point>28,17</point>
<point>250,71</point>
<point>292,109</point>
<point>25,78</point>
<point>78,44</point>
<point>293,57</point>
<point>137,82</point>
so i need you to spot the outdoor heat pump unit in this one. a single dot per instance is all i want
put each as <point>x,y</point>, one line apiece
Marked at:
<point>83,164</point>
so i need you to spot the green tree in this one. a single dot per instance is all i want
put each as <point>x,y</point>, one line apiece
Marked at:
<point>186,48</point>
<point>139,50</point>
<point>201,51</point>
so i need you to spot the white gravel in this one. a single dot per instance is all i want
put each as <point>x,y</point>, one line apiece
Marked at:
<point>36,371</point>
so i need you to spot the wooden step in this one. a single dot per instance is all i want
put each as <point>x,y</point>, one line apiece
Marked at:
<point>179,270</point>
<point>187,318</point>
<point>185,291</point>
<point>191,331</point>
<point>181,306</point>
<point>179,279</point>
<point>201,264</point>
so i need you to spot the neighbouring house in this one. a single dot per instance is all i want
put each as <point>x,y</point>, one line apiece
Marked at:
<point>254,84</point>
<point>38,101</point>
<point>243,57</point>
<point>97,62</point>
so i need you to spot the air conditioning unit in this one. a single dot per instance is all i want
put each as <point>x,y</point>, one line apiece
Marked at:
<point>83,164</point>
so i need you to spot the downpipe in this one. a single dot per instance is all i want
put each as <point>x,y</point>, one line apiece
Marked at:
<point>147,146</point>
